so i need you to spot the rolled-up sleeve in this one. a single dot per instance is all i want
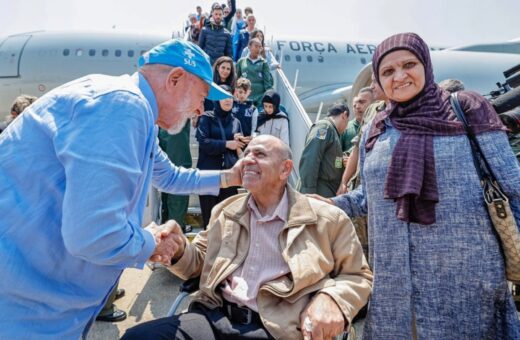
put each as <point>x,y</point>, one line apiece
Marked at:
<point>351,273</point>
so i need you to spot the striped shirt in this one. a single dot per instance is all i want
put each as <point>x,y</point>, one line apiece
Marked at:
<point>264,262</point>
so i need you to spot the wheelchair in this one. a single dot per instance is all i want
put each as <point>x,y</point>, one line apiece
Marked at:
<point>192,285</point>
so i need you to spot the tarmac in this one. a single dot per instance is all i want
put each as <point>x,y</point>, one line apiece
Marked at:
<point>149,295</point>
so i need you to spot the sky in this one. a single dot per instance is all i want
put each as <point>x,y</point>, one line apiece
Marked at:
<point>439,22</point>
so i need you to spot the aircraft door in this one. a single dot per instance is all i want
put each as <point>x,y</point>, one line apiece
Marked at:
<point>10,54</point>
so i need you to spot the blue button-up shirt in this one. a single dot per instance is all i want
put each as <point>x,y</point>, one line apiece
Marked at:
<point>74,172</point>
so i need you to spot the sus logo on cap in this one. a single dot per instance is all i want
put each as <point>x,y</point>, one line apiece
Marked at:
<point>192,58</point>
<point>188,60</point>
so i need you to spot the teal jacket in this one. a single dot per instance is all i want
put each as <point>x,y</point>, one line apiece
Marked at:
<point>258,74</point>
<point>352,131</point>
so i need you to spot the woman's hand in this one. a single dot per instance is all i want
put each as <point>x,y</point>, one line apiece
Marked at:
<point>234,144</point>
<point>343,189</point>
<point>321,198</point>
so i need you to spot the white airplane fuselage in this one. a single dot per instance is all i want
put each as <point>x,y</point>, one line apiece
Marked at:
<point>322,70</point>
<point>34,63</point>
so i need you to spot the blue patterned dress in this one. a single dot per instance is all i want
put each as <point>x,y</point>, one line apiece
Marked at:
<point>447,278</point>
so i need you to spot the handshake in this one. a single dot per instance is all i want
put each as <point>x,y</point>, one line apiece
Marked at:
<point>169,242</point>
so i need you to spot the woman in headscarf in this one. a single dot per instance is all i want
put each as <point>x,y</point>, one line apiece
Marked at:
<point>438,268</point>
<point>272,121</point>
<point>219,145</point>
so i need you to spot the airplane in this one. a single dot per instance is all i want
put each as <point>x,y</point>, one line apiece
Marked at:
<point>325,72</point>
<point>321,71</point>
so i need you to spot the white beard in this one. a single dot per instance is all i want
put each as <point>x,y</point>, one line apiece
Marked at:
<point>175,129</point>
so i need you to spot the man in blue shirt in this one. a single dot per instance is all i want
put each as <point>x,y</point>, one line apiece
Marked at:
<point>74,172</point>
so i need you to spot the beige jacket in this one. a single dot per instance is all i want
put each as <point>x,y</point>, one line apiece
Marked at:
<point>318,243</point>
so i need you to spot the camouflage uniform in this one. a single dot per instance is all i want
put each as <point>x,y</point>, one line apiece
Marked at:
<point>321,163</point>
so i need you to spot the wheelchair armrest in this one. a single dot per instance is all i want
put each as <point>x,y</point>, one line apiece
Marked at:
<point>191,285</point>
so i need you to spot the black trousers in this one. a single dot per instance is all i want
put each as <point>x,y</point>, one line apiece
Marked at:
<point>207,202</point>
<point>200,323</point>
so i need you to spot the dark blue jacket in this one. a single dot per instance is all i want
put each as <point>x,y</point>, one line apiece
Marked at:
<point>209,136</point>
<point>215,40</point>
<point>244,113</point>
<point>243,40</point>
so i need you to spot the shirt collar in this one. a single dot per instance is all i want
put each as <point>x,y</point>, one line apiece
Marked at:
<point>334,125</point>
<point>280,212</point>
<point>254,61</point>
<point>147,92</point>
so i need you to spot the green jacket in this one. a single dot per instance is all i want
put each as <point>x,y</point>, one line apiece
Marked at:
<point>351,132</point>
<point>321,163</point>
<point>258,74</point>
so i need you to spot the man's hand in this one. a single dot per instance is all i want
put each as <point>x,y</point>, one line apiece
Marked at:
<point>321,319</point>
<point>321,198</point>
<point>234,175</point>
<point>169,241</point>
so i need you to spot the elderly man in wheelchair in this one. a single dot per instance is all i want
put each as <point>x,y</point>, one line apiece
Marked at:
<point>272,264</point>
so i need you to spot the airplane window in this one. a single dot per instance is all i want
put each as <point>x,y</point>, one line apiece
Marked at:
<point>118,53</point>
<point>363,60</point>
<point>298,58</point>
<point>320,59</point>
<point>92,52</point>
<point>104,53</point>
<point>79,52</point>
<point>131,53</point>
<point>309,58</point>
<point>287,57</point>
<point>66,52</point>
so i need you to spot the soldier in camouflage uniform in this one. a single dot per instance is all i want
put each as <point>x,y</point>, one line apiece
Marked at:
<point>321,163</point>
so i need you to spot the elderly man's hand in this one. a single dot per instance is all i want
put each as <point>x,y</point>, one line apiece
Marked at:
<point>169,240</point>
<point>321,319</point>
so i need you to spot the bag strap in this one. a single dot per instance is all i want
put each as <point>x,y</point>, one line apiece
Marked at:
<point>492,190</point>
<point>481,164</point>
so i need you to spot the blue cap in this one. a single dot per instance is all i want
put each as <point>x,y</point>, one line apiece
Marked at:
<point>192,58</point>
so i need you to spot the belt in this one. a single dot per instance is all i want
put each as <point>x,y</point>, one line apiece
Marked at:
<point>241,315</point>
